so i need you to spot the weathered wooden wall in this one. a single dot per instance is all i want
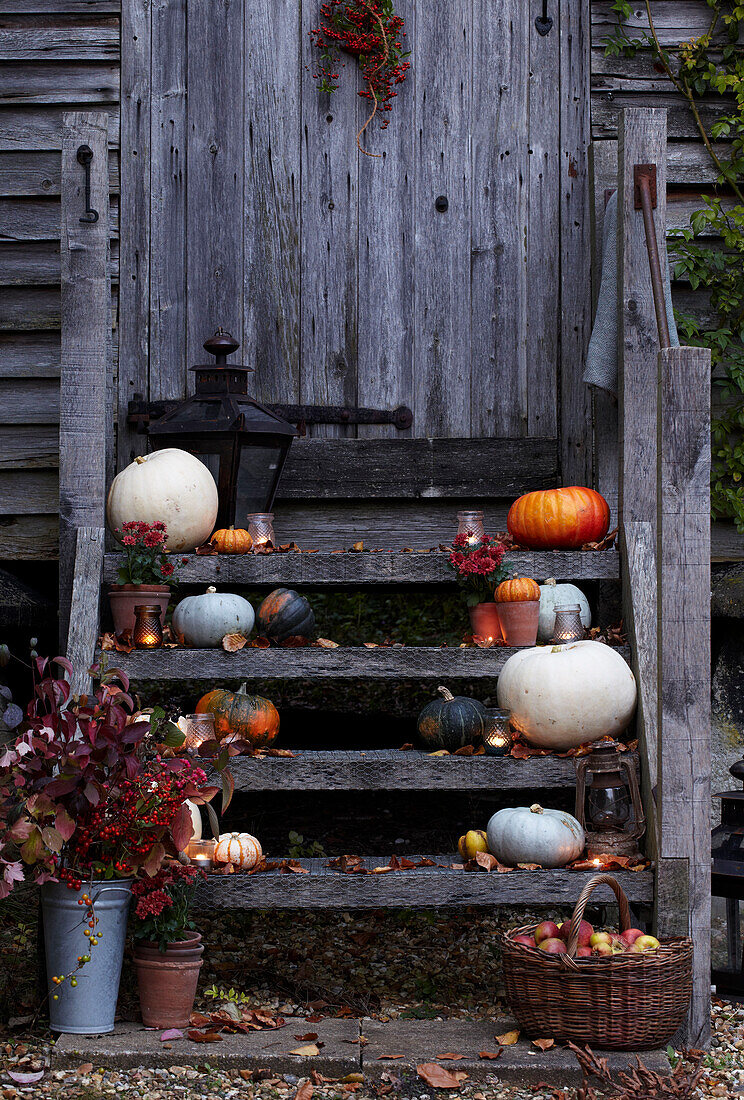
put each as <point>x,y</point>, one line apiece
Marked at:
<point>55,56</point>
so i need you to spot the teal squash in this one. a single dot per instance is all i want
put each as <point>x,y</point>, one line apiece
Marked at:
<point>285,614</point>
<point>451,722</point>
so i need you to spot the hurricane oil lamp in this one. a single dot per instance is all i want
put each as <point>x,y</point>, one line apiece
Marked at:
<point>568,625</point>
<point>261,528</point>
<point>243,444</point>
<point>471,525</point>
<point>197,728</point>
<point>608,802</point>
<point>148,629</point>
<point>497,734</point>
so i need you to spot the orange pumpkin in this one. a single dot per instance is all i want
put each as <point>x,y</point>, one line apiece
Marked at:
<point>517,590</point>
<point>240,715</point>
<point>240,849</point>
<point>559,519</point>
<point>228,540</point>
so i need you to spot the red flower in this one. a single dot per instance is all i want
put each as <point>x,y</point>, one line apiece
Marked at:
<point>167,569</point>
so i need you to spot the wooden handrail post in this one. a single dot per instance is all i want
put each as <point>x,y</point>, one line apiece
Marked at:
<point>684,764</point>
<point>84,606</point>
<point>86,338</point>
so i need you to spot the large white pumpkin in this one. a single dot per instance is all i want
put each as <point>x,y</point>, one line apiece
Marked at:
<point>530,834</point>
<point>563,695</point>
<point>551,595</point>
<point>205,620</point>
<point>171,486</point>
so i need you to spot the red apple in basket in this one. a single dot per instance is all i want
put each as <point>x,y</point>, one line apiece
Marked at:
<point>602,949</point>
<point>548,930</point>
<point>552,946</point>
<point>630,936</point>
<point>585,932</point>
<point>526,941</point>
<point>583,952</point>
<point>600,937</point>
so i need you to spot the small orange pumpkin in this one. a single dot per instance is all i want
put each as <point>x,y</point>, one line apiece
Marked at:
<point>240,849</point>
<point>240,715</point>
<point>517,590</point>
<point>230,540</point>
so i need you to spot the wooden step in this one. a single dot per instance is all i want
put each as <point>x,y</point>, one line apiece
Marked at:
<point>377,567</point>
<point>426,887</point>
<point>312,662</point>
<point>396,770</point>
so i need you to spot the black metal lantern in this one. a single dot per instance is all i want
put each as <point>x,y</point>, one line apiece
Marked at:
<point>606,792</point>
<point>243,443</point>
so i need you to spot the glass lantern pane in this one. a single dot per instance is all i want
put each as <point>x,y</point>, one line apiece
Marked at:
<point>609,807</point>
<point>212,462</point>
<point>257,475</point>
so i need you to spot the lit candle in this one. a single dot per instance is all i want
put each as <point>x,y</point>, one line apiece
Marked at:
<point>568,625</point>
<point>148,630</point>
<point>201,854</point>
<point>197,728</point>
<point>471,524</point>
<point>261,528</point>
<point>497,736</point>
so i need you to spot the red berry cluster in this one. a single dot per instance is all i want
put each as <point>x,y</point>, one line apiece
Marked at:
<point>370,31</point>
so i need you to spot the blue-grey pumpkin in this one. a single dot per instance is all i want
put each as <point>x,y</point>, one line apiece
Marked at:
<point>451,722</point>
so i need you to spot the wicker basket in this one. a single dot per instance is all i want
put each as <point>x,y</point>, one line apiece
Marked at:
<point>620,1002</point>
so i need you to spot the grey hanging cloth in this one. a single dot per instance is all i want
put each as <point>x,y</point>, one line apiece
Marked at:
<point>601,359</point>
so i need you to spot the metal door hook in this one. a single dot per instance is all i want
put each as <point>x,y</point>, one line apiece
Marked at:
<point>543,23</point>
<point>84,157</point>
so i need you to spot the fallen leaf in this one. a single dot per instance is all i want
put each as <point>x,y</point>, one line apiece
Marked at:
<point>231,643</point>
<point>314,1019</point>
<point>86,1067</point>
<point>449,1057</point>
<point>26,1078</point>
<point>438,1077</point>
<point>172,1033</point>
<point>205,1036</point>
<point>304,1092</point>
<point>370,645</point>
<point>358,547</point>
<point>489,1055</point>
<point>353,1079</point>
<point>543,1044</point>
<point>508,1039</point>
<point>309,1051</point>
<point>309,1038</point>
<point>388,1057</point>
<point>486,861</point>
<point>530,866</point>
<point>326,643</point>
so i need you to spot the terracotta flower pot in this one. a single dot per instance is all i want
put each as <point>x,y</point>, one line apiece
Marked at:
<point>167,980</point>
<point>519,622</point>
<point>125,597</point>
<point>485,620</point>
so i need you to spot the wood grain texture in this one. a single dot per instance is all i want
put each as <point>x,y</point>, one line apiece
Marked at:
<point>375,568</point>
<point>393,770</point>
<point>30,263</point>
<point>84,606</point>
<point>273,197</point>
<point>29,355</point>
<point>40,127</point>
<point>436,886</point>
<point>39,219</point>
<point>395,662</point>
<point>25,173</point>
<point>60,82</point>
<point>134,327</point>
<point>575,242</point>
<point>86,327</point>
<point>684,706</point>
<point>27,492</point>
<point>29,538</point>
<point>76,38</point>
<point>29,401</point>
<point>442,292</point>
<point>28,447</point>
<point>168,259</point>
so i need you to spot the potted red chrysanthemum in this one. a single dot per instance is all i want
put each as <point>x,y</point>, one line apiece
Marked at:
<point>146,567</point>
<point>479,568</point>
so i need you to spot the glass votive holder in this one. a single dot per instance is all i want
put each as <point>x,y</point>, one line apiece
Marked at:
<point>197,729</point>
<point>471,524</point>
<point>201,854</point>
<point>497,734</point>
<point>261,528</point>
<point>568,625</point>
<point>148,629</point>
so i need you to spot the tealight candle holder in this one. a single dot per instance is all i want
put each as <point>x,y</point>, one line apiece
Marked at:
<point>197,729</point>
<point>568,625</point>
<point>471,525</point>
<point>497,734</point>
<point>148,629</point>
<point>201,854</point>
<point>261,528</point>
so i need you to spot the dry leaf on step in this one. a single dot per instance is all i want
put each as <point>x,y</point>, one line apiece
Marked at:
<point>309,1051</point>
<point>231,643</point>
<point>438,1077</point>
<point>508,1039</point>
<point>489,1055</point>
<point>543,1044</point>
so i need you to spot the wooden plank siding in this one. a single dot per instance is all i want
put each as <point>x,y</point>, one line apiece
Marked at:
<point>56,56</point>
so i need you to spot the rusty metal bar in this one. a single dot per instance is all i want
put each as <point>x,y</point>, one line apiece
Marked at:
<point>644,184</point>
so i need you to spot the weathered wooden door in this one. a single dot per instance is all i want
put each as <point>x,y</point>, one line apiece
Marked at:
<point>246,203</point>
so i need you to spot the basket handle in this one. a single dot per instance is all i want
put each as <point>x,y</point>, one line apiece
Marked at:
<point>581,904</point>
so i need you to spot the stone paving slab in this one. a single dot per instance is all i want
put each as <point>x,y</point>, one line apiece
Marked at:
<point>131,1045</point>
<point>422,1040</point>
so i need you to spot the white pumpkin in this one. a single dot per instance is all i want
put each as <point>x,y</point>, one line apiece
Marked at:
<point>240,849</point>
<point>530,834</point>
<point>552,594</point>
<point>564,695</point>
<point>172,486</point>
<point>205,620</point>
<point>196,821</point>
